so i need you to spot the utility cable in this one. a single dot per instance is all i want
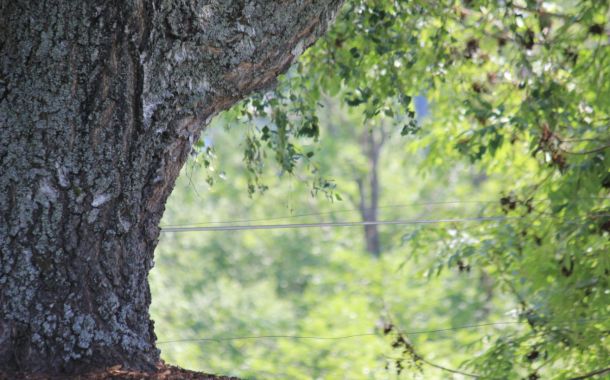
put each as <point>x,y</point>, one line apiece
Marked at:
<point>350,224</point>
<point>341,337</point>
<point>395,206</point>
<point>336,224</point>
<point>301,215</point>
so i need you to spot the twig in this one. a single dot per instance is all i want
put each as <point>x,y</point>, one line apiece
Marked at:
<point>581,140</point>
<point>423,360</point>
<point>591,374</point>
<point>598,149</point>
<point>416,355</point>
<point>542,12</point>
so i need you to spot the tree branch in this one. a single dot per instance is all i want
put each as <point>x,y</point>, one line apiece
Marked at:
<point>591,374</point>
<point>542,12</point>
<point>200,58</point>
<point>595,150</point>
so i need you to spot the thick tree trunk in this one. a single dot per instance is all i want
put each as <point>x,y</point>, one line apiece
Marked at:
<point>99,105</point>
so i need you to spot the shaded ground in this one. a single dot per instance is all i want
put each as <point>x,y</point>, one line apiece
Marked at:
<point>164,372</point>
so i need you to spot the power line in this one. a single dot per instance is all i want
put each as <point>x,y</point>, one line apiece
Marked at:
<point>304,337</point>
<point>351,224</point>
<point>394,206</point>
<point>336,224</point>
<point>341,337</point>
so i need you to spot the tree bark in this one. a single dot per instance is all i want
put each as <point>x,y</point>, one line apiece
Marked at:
<point>100,103</point>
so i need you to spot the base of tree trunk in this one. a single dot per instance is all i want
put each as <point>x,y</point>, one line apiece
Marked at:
<point>163,372</point>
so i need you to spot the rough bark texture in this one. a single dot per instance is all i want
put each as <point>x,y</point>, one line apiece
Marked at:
<point>99,105</point>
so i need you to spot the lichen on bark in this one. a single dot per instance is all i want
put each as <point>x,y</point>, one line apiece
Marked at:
<point>99,106</point>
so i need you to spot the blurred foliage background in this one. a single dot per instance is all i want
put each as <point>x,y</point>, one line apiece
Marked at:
<point>490,119</point>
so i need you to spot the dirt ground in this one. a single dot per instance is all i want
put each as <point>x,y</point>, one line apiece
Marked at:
<point>164,372</point>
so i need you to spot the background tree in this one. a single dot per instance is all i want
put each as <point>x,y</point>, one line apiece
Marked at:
<point>518,128</point>
<point>99,107</point>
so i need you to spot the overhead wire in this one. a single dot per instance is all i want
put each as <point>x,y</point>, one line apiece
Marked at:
<point>357,335</point>
<point>335,224</point>
<point>301,215</point>
<point>393,206</point>
<point>350,224</point>
<point>340,337</point>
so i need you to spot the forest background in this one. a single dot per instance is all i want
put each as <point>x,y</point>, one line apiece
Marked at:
<point>482,126</point>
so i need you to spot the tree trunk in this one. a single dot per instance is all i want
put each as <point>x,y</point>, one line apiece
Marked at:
<point>100,103</point>
<point>369,190</point>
